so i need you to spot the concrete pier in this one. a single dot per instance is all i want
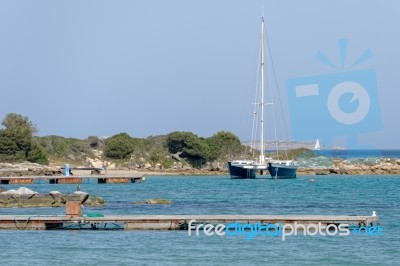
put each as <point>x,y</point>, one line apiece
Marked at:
<point>168,222</point>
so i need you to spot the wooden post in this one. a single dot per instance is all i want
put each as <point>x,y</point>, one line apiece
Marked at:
<point>73,209</point>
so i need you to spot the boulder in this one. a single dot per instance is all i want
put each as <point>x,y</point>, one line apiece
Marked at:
<point>77,196</point>
<point>153,201</point>
<point>20,192</point>
<point>322,172</point>
<point>94,202</point>
<point>23,191</point>
<point>9,192</point>
<point>55,193</point>
<point>334,170</point>
<point>146,166</point>
<point>58,197</point>
<point>98,163</point>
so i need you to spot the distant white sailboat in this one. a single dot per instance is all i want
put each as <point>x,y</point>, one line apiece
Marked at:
<point>317,145</point>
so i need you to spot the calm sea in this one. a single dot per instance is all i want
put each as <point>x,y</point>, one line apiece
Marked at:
<point>328,195</point>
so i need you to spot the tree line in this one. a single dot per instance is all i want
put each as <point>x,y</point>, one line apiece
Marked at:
<point>18,143</point>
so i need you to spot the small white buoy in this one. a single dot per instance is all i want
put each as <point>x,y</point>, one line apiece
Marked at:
<point>373,213</point>
<point>312,180</point>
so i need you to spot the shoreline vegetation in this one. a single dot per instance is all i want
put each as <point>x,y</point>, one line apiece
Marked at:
<point>177,153</point>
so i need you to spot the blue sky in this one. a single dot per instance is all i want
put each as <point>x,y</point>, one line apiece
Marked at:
<point>80,68</point>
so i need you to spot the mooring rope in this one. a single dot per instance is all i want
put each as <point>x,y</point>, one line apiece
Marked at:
<point>16,222</point>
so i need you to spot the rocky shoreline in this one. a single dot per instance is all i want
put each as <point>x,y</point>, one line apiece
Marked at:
<point>383,166</point>
<point>28,169</point>
<point>26,198</point>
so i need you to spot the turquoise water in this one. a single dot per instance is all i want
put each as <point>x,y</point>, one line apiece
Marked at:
<point>366,154</point>
<point>324,158</point>
<point>329,195</point>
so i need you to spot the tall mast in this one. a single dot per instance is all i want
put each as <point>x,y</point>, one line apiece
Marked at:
<point>262,159</point>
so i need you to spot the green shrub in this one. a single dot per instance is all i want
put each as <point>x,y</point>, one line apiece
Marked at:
<point>16,140</point>
<point>9,151</point>
<point>119,146</point>
<point>65,148</point>
<point>223,144</point>
<point>189,146</point>
<point>37,154</point>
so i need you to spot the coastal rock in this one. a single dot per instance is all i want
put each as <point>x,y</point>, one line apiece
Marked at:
<point>28,169</point>
<point>20,192</point>
<point>54,193</point>
<point>153,201</point>
<point>58,198</point>
<point>98,163</point>
<point>76,196</point>
<point>146,166</point>
<point>97,153</point>
<point>25,198</point>
<point>322,172</point>
<point>354,166</point>
<point>7,201</point>
<point>10,200</point>
<point>94,202</point>
<point>37,200</point>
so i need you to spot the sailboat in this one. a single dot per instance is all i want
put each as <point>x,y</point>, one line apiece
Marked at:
<point>243,169</point>
<point>317,145</point>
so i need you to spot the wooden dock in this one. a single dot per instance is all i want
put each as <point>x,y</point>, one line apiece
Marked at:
<point>74,179</point>
<point>167,222</point>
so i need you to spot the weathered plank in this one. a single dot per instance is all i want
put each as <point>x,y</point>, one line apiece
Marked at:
<point>21,180</point>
